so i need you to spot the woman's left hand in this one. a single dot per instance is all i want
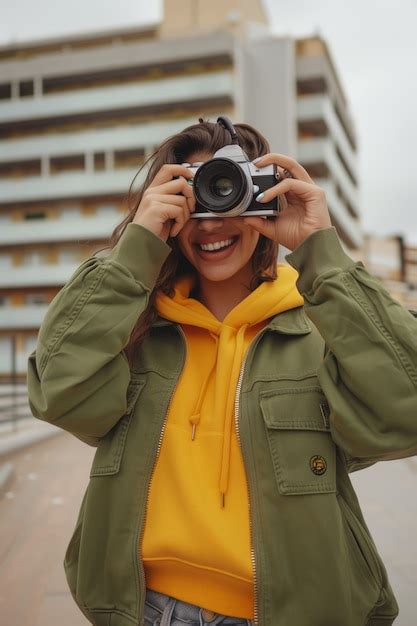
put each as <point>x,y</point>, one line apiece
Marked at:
<point>305,207</point>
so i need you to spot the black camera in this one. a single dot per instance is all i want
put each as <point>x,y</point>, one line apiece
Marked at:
<point>227,185</point>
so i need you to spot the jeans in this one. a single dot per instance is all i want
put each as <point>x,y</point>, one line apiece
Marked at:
<point>163,610</point>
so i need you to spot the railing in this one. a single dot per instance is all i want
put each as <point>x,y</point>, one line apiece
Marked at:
<point>14,407</point>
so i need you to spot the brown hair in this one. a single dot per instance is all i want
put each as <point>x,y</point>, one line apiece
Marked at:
<point>203,137</point>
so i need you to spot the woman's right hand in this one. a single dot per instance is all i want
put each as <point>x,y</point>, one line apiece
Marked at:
<point>161,210</point>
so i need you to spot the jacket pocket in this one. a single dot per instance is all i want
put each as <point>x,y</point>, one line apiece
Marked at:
<point>298,430</point>
<point>110,449</point>
<point>360,545</point>
<point>73,549</point>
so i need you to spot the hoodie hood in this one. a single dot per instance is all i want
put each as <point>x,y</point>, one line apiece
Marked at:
<point>266,301</point>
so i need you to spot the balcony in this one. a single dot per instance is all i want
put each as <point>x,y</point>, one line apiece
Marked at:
<point>319,107</point>
<point>95,140</point>
<point>146,94</point>
<point>59,230</point>
<point>323,150</point>
<point>24,317</point>
<point>43,275</point>
<point>352,234</point>
<point>71,185</point>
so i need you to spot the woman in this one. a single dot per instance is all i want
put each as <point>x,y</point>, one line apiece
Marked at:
<point>228,398</point>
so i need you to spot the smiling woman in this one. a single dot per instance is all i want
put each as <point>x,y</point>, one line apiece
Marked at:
<point>229,397</point>
<point>164,204</point>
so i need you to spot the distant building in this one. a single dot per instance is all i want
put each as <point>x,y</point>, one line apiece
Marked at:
<point>410,275</point>
<point>394,262</point>
<point>78,116</point>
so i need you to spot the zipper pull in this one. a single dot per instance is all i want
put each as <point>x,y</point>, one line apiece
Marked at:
<point>194,419</point>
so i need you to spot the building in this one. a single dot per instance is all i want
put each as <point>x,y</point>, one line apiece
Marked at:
<point>410,271</point>
<point>394,262</point>
<point>79,115</point>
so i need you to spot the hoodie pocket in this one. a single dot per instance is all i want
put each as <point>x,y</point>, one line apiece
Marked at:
<point>298,431</point>
<point>110,449</point>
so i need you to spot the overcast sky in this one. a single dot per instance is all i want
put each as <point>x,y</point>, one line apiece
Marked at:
<point>373,46</point>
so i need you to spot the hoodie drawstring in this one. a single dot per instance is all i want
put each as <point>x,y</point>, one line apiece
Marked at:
<point>267,300</point>
<point>230,406</point>
<point>195,418</point>
<point>226,335</point>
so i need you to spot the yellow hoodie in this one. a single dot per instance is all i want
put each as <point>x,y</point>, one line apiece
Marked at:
<point>196,543</point>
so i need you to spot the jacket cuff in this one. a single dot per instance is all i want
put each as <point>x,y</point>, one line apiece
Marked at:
<point>141,252</point>
<point>320,252</point>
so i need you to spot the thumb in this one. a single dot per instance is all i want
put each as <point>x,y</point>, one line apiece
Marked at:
<point>262,225</point>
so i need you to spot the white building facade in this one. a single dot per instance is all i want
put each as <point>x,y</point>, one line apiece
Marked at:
<point>79,115</point>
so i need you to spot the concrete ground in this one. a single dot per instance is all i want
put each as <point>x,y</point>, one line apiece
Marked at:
<point>387,493</point>
<point>38,512</point>
<point>37,517</point>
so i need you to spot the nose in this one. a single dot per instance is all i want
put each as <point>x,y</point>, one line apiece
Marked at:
<point>210,224</point>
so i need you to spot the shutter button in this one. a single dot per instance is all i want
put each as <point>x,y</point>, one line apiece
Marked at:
<point>208,616</point>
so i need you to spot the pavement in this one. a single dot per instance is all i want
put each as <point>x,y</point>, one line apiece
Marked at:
<point>16,436</point>
<point>387,493</point>
<point>38,513</point>
<point>45,472</point>
<point>18,428</point>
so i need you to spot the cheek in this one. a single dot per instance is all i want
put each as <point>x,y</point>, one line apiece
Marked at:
<point>249,237</point>
<point>184,244</point>
<point>252,239</point>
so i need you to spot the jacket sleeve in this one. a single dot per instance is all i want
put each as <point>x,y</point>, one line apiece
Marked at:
<point>77,376</point>
<point>369,371</point>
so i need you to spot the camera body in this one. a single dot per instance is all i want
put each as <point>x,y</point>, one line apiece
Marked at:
<point>227,185</point>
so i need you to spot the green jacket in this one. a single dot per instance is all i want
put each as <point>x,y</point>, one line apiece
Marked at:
<point>325,389</point>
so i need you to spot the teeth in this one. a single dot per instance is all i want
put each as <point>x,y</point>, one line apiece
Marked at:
<point>216,246</point>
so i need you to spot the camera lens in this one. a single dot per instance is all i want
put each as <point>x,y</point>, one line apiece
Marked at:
<point>221,187</point>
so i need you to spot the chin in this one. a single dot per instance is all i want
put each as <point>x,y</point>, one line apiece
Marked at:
<point>219,272</point>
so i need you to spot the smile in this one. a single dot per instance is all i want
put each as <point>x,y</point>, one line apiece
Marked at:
<point>218,245</point>
<point>218,249</point>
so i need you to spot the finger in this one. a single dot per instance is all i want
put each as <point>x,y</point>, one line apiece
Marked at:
<point>180,200</point>
<point>171,186</point>
<point>263,226</point>
<point>174,213</point>
<point>284,173</point>
<point>176,229</point>
<point>176,186</point>
<point>185,190</point>
<point>178,226</point>
<point>283,202</point>
<point>286,162</point>
<point>299,187</point>
<point>168,171</point>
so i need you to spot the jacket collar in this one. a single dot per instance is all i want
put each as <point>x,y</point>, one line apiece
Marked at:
<point>290,322</point>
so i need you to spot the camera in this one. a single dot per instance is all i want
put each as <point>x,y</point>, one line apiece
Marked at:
<point>227,185</point>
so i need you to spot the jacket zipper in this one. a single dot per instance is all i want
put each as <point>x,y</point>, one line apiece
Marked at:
<point>237,398</point>
<point>142,578</point>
